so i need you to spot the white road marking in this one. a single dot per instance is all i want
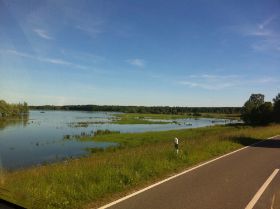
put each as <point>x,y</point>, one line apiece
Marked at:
<point>272,137</point>
<point>259,193</point>
<point>177,175</point>
<point>272,202</point>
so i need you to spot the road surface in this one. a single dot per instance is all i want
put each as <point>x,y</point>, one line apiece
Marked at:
<point>231,182</point>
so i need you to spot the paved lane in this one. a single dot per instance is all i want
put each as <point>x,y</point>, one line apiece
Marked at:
<point>228,183</point>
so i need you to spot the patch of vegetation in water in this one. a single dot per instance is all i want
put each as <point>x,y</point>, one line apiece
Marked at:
<point>85,124</point>
<point>133,118</point>
<point>147,118</point>
<point>85,136</point>
<point>105,132</point>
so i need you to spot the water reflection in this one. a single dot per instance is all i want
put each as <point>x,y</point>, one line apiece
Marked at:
<point>14,121</point>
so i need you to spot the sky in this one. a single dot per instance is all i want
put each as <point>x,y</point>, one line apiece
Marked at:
<point>148,52</point>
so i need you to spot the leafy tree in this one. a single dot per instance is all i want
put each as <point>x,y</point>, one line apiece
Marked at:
<point>256,99</point>
<point>256,111</point>
<point>265,113</point>
<point>276,108</point>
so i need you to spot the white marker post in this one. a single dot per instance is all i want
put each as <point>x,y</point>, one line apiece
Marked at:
<point>176,143</point>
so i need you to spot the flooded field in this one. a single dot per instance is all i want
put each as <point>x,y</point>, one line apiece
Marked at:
<point>46,136</point>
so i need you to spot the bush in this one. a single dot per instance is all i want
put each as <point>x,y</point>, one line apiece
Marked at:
<point>8,110</point>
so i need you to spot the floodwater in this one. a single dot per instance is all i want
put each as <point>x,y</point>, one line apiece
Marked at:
<point>40,137</point>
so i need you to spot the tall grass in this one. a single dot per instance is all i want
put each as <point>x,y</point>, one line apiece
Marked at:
<point>143,158</point>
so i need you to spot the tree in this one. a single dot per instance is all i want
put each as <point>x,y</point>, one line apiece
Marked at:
<point>265,113</point>
<point>8,110</point>
<point>255,111</point>
<point>4,109</point>
<point>256,99</point>
<point>276,108</point>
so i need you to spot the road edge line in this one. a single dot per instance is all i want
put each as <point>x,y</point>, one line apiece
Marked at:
<point>261,190</point>
<point>179,174</point>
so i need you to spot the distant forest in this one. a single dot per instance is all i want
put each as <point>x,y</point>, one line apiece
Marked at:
<point>11,110</point>
<point>143,109</point>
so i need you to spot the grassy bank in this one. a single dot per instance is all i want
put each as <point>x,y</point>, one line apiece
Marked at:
<point>138,118</point>
<point>142,159</point>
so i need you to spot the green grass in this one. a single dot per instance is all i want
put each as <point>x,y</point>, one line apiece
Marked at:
<point>105,132</point>
<point>220,115</point>
<point>133,118</point>
<point>142,158</point>
<point>139,118</point>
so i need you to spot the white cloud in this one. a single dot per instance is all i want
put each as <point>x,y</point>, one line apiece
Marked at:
<point>260,33</point>
<point>266,35</point>
<point>207,85</point>
<point>271,44</point>
<point>210,81</point>
<point>220,82</point>
<point>253,30</point>
<point>44,59</point>
<point>92,31</point>
<point>17,53</point>
<point>42,33</point>
<point>264,29</point>
<point>136,62</point>
<point>265,80</point>
<point>55,61</point>
<point>214,77</point>
<point>267,21</point>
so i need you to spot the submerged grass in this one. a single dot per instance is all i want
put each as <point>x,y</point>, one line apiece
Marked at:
<point>141,159</point>
<point>141,118</point>
<point>105,132</point>
<point>131,118</point>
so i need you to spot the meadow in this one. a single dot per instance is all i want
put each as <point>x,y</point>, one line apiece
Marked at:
<point>140,159</point>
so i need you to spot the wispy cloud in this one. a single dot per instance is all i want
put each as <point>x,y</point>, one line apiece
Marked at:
<point>265,80</point>
<point>42,33</point>
<point>207,86</point>
<point>210,82</point>
<point>214,77</point>
<point>92,31</point>
<point>220,82</point>
<point>266,34</point>
<point>136,62</point>
<point>55,61</point>
<point>267,21</point>
<point>63,15</point>
<point>267,45</point>
<point>263,29</point>
<point>17,53</point>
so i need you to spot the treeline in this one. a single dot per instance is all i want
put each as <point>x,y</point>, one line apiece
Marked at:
<point>143,109</point>
<point>258,112</point>
<point>11,110</point>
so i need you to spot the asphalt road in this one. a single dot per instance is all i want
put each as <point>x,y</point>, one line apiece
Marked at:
<point>227,183</point>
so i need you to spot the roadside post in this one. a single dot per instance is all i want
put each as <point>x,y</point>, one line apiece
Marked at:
<point>176,144</point>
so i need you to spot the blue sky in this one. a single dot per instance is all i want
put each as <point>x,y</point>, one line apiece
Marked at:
<point>148,52</point>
